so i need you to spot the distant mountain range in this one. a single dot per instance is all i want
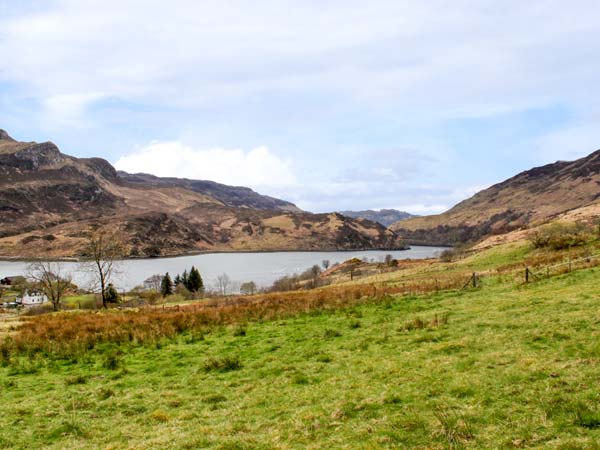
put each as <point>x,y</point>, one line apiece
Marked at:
<point>49,201</point>
<point>562,189</point>
<point>385,217</point>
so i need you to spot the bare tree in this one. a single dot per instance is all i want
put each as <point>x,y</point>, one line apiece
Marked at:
<point>325,264</point>
<point>315,271</point>
<point>103,251</point>
<point>223,283</point>
<point>154,282</point>
<point>52,279</point>
<point>248,288</point>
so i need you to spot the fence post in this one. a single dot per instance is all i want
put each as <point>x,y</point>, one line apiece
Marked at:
<point>474,279</point>
<point>526,274</point>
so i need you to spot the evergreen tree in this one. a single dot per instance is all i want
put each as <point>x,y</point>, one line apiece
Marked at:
<point>184,279</point>
<point>177,280</point>
<point>195,283</point>
<point>111,295</point>
<point>166,286</point>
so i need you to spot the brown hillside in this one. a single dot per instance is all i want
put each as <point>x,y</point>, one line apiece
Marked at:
<point>49,201</point>
<point>530,197</point>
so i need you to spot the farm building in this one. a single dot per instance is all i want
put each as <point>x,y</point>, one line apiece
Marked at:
<point>32,299</point>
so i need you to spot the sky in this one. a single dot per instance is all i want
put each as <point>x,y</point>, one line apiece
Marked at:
<point>336,105</point>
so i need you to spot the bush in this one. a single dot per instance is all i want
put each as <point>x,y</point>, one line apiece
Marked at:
<point>448,255</point>
<point>559,236</point>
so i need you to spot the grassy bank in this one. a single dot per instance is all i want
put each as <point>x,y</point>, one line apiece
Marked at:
<point>500,367</point>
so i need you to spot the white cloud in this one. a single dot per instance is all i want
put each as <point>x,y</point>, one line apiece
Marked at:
<point>456,59</point>
<point>311,79</point>
<point>258,168</point>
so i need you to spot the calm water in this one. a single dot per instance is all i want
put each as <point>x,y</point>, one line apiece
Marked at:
<point>262,268</point>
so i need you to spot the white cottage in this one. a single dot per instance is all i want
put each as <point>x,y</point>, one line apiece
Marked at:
<point>32,299</point>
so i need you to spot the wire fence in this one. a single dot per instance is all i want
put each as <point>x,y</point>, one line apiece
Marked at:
<point>539,272</point>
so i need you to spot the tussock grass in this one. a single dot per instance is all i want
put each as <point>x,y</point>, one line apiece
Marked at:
<point>493,368</point>
<point>73,333</point>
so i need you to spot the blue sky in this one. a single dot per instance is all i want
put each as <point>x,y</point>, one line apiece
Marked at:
<point>334,105</point>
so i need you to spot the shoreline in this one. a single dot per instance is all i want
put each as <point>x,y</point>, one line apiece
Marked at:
<point>212,252</point>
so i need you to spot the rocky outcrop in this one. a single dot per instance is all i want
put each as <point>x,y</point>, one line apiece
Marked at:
<point>31,157</point>
<point>4,136</point>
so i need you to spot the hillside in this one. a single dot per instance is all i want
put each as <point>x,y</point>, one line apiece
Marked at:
<point>50,200</point>
<point>529,198</point>
<point>385,217</point>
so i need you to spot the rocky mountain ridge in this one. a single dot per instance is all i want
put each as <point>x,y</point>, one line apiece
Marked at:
<point>49,201</point>
<point>385,217</point>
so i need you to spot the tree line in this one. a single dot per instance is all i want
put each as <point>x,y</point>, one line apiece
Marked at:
<point>191,281</point>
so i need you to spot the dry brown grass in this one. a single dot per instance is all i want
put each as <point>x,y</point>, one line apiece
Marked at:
<point>69,334</point>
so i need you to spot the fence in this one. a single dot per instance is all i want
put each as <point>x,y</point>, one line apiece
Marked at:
<point>333,295</point>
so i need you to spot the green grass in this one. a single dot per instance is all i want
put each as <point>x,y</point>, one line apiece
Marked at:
<point>511,367</point>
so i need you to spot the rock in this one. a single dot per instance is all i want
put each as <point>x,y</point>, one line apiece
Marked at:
<point>4,136</point>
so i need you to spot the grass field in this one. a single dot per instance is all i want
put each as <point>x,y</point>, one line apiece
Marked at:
<point>506,366</point>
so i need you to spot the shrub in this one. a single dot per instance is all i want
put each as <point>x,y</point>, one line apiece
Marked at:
<point>559,235</point>
<point>448,255</point>
<point>38,310</point>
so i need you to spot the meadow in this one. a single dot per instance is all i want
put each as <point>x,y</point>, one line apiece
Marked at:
<point>507,365</point>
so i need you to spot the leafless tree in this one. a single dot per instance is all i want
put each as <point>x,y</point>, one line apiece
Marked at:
<point>154,282</point>
<point>223,283</point>
<point>51,278</point>
<point>103,251</point>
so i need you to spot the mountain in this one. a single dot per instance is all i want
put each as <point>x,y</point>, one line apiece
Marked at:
<point>527,199</point>
<point>49,201</point>
<point>385,217</point>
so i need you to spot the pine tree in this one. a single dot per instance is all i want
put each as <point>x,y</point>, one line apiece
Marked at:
<point>195,283</point>
<point>184,279</point>
<point>111,295</point>
<point>166,286</point>
<point>177,280</point>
